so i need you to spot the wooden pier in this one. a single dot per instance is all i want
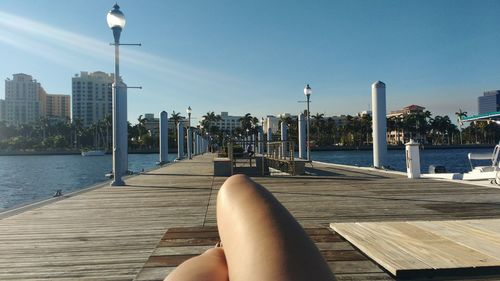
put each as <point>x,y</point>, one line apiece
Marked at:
<point>115,233</point>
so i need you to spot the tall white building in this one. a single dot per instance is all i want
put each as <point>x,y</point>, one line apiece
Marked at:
<point>228,123</point>
<point>2,110</point>
<point>22,99</point>
<point>92,96</point>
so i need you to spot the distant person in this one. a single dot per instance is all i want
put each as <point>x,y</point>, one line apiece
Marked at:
<point>250,151</point>
<point>260,240</point>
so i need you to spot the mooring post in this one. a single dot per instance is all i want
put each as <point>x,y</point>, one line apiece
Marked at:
<point>379,124</point>
<point>302,136</point>
<point>284,138</point>
<point>180,141</point>
<point>412,159</point>
<point>163,137</point>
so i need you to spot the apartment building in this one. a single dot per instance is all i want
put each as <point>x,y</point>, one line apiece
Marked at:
<point>92,96</point>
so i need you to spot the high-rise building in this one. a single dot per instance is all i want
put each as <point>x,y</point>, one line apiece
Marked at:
<point>22,99</point>
<point>26,102</point>
<point>57,107</point>
<point>92,96</point>
<point>2,110</point>
<point>489,102</point>
<point>228,123</point>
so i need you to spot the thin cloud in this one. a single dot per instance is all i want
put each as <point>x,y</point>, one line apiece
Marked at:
<point>50,42</point>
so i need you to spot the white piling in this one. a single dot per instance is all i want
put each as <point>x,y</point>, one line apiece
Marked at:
<point>412,159</point>
<point>269,139</point>
<point>379,124</point>
<point>163,137</point>
<point>284,138</point>
<point>302,136</point>
<point>260,139</point>
<point>197,144</point>
<point>189,143</point>
<point>180,141</point>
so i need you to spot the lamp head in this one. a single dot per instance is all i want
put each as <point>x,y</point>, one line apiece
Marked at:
<point>307,91</point>
<point>189,110</point>
<point>115,18</point>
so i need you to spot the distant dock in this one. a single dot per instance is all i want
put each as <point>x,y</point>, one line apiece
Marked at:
<point>143,230</point>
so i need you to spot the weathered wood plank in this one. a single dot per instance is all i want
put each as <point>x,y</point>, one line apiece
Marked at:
<point>425,248</point>
<point>109,222</point>
<point>386,252</point>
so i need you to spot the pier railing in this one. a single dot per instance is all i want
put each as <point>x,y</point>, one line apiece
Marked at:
<point>279,155</point>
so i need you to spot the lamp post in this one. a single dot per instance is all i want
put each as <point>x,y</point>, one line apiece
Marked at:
<point>189,111</point>
<point>190,141</point>
<point>116,21</point>
<point>307,93</point>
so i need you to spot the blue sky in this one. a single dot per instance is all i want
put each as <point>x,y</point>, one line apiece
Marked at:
<point>256,56</point>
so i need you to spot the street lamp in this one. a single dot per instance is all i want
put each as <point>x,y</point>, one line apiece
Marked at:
<point>116,21</point>
<point>189,144</point>
<point>189,111</point>
<point>307,93</point>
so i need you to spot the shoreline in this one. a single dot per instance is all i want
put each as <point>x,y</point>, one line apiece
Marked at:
<point>401,147</point>
<point>73,152</point>
<point>323,148</point>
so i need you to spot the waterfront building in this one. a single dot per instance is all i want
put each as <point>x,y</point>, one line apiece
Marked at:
<point>22,99</point>
<point>489,102</point>
<point>397,136</point>
<point>339,120</point>
<point>57,107</point>
<point>26,101</point>
<point>152,124</point>
<point>228,123</point>
<point>2,110</point>
<point>92,96</point>
<point>410,109</point>
<point>273,122</point>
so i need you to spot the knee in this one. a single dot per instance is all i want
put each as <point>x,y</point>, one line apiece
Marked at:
<point>234,186</point>
<point>216,253</point>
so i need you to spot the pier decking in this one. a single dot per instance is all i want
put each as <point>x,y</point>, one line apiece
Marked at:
<point>109,233</point>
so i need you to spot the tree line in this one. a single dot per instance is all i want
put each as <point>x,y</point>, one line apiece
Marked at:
<point>325,131</point>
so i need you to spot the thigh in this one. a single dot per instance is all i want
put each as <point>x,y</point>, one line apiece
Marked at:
<point>209,266</point>
<point>262,241</point>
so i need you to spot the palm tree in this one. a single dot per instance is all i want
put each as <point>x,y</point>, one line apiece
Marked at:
<point>246,122</point>
<point>332,130</point>
<point>209,121</point>
<point>366,127</point>
<point>318,121</point>
<point>460,115</point>
<point>176,117</point>
<point>140,125</point>
<point>78,130</point>
<point>108,123</point>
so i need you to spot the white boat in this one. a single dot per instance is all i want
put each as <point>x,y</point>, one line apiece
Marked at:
<point>490,172</point>
<point>93,153</point>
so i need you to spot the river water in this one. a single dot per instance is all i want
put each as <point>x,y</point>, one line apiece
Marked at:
<point>26,179</point>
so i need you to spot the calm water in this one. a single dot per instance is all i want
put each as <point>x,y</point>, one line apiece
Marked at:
<point>454,160</point>
<point>26,179</point>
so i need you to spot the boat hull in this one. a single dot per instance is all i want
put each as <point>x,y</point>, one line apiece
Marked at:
<point>93,153</point>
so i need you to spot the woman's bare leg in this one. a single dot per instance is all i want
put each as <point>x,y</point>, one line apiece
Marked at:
<point>209,266</point>
<point>261,239</point>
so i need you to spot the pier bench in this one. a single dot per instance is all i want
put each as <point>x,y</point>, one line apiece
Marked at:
<point>180,244</point>
<point>223,166</point>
